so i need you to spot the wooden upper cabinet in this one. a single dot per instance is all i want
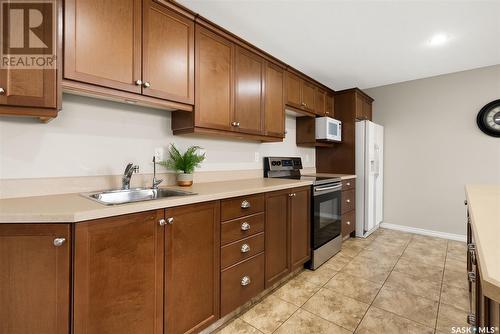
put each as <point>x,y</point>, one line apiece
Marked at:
<point>192,263</point>
<point>320,103</point>
<point>102,43</point>
<point>29,88</point>
<point>35,278</point>
<point>118,275</point>
<point>329,105</point>
<point>308,95</point>
<point>300,227</point>
<point>168,54</point>
<point>293,90</point>
<point>214,80</point>
<point>276,237</point>
<point>249,102</point>
<point>274,108</point>
<point>363,106</point>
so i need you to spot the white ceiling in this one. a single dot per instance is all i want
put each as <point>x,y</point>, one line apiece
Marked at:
<point>364,43</point>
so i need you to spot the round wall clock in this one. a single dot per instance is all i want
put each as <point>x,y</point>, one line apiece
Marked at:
<point>488,119</point>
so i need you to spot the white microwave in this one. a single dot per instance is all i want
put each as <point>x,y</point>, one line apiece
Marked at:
<point>328,128</point>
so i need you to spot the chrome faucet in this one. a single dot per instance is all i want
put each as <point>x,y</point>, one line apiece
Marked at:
<point>155,181</point>
<point>127,175</point>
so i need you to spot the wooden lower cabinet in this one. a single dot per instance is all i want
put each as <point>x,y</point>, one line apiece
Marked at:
<point>34,278</point>
<point>118,274</point>
<point>348,207</point>
<point>192,267</point>
<point>287,232</point>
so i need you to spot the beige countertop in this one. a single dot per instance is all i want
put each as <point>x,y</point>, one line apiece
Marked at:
<point>74,207</point>
<point>342,176</point>
<point>484,209</point>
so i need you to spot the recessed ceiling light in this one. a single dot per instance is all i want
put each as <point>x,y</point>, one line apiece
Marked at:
<point>438,39</point>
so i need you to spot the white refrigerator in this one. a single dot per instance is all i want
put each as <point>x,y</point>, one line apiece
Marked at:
<point>370,177</point>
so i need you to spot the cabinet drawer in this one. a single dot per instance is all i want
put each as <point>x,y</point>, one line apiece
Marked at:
<point>348,184</point>
<point>348,198</point>
<point>348,223</point>
<point>241,250</point>
<point>240,228</point>
<point>236,289</point>
<point>241,206</point>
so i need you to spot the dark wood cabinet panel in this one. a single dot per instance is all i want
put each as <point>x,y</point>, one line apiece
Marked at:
<point>28,88</point>
<point>241,206</point>
<point>293,90</point>
<point>192,267</point>
<point>274,108</point>
<point>363,106</point>
<point>300,227</point>
<point>168,54</point>
<point>348,223</point>
<point>241,282</point>
<point>214,80</point>
<point>118,274</point>
<point>35,278</point>
<point>308,96</point>
<point>241,250</point>
<point>348,184</point>
<point>241,228</point>
<point>329,105</point>
<point>320,103</point>
<point>348,200</point>
<point>248,107</point>
<point>102,43</point>
<point>277,237</point>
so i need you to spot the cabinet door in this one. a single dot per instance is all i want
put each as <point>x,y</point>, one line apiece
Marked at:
<point>300,227</point>
<point>358,107</point>
<point>329,105</point>
<point>118,275</point>
<point>276,240</point>
<point>293,90</point>
<point>34,279</point>
<point>367,110</point>
<point>308,95</point>
<point>213,80</point>
<point>192,261</point>
<point>29,88</point>
<point>320,103</point>
<point>274,109</point>
<point>168,54</point>
<point>248,107</point>
<point>102,43</point>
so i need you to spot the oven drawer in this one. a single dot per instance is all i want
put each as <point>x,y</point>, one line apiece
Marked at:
<point>241,250</point>
<point>348,222</point>
<point>348,184</point>
<point>348,198</point>
<point>241,282</point>
<point>240,228</point>
<point>241,206</point>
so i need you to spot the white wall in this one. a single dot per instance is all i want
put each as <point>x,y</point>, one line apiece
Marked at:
<point>95,137</point>
<point>433,146</point>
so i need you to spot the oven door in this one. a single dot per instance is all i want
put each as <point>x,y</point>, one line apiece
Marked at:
<point>326,214</point>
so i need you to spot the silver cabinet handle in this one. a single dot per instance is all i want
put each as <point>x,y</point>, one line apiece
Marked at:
<point>348,183</point>
<point>245,248</point>
<point>138,82</point>
<point>471,276</point>
<point>2,91</point>
<point>170,220</point>
<point>58,242</point>
<point>245,280</point>
<point>245,226</point>
<point>472,252</point>
<point>245,204</point>
<point>146,84</point>
<point>292,195</point>
<point>303,104</point>
<point>471,319</point>
<point>162,222</point>
<point>238,124</point>
<point>233,123</point>
<point>348,200</point>
<point>348,223</point>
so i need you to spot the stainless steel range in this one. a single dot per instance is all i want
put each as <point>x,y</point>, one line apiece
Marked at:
<point>326,237</point>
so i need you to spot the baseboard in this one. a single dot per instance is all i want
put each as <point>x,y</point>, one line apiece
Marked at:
<point>437,234</point>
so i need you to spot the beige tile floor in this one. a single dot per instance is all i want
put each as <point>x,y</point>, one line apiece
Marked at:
<point>391,282</point>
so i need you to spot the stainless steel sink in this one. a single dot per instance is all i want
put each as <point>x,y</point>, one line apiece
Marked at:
<point>122,196</point>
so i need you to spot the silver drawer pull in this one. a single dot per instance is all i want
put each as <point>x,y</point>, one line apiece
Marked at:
<point>348,200</point>
<point>245,204</point>
<point>58,242</point>
<point>348,223</point>
<point>348,183</point>
<point>472,252</point>
<point>245,226</point>
<point>245,248</point>
<point>245,280</point>
<point>471,276</point>
<point>471,319</point>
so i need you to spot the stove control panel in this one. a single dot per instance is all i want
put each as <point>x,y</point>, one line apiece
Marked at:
<point>280,163</point>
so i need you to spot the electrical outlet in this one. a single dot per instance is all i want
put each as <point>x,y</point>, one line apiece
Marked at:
<point>257,157</point>
<point>159,153</point>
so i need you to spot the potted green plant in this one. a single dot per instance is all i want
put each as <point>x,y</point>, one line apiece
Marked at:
<point>183,163</point>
